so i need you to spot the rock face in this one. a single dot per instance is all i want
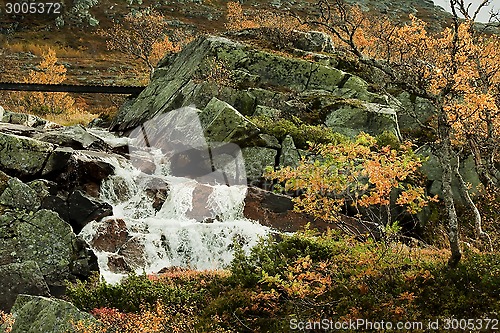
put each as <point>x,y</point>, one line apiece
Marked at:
<point>20,278</point>
<point>254,82</point>
<point>49,180</point>
<point>37,314</point>
<point>43,237</point>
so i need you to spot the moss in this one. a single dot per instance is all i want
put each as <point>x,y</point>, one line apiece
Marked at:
<point>301,133</point>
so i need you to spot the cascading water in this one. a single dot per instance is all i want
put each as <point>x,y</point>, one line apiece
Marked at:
<point>197,223</point>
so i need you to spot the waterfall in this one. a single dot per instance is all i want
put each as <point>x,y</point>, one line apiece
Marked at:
<point>162,220</point>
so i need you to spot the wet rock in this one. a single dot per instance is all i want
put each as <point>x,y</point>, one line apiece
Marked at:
<point>21,156</point>
<point>37,314</point>
<point>110,236</point>
<point>157,190</point>
<point>200,210</point>
<point>117,264</point>
<point>86,167</point>
<point>82,209</point>
<point>276,211</point>
<point>20,278</point>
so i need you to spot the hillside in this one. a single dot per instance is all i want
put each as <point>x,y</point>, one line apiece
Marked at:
<point>272,176</point>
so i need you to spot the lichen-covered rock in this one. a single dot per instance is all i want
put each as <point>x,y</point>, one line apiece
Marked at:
<point>20,278</point>
<point>256,161</point>
<point>256,77</point>
<point>76,137</point>
<point>18,195</point>
<point>38,314</point>
<point>23,156</point>
<point>370,118</point>
<point>25,119</point>
<point>289,154</point>
<point>45,238</point>
<point>223,123</point>
<point>314,41</point>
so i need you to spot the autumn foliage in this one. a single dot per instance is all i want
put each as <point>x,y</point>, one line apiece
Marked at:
<point>141,35</point>
<point>58,107</point>
<point>357,174</point>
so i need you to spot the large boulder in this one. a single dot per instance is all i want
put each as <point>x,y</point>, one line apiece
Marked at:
<point>370,118</point>
<point>18,195</point>
<point>223,123</point>
<point>25,119</point>
<point>277,211</point>
<point>76,137</point>
<point>38,314</point>
<point>43,237</point>
<point>256,161</point>
<point>20,278</point>
<point>266,78</point>
<point>23,156</point>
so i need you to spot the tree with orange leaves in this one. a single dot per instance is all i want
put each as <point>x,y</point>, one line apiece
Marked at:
<point>457,70</point>
<point>141,35</point>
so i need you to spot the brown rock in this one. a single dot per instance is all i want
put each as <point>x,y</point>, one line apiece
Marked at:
<point>111,236</point>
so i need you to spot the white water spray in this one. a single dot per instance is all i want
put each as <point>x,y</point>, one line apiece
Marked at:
<point>198,225</point>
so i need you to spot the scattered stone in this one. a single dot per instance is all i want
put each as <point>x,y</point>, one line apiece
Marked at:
<point>111,235</point>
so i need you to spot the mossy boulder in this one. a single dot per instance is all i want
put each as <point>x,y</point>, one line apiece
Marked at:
<point>20,278</point>
<point>38,314</point>
<point>370,118</point>
<point>23,156</point>
<point>43,237</point>
<point>223,123</point>
<point>18,195</point>
<point>256,161</point>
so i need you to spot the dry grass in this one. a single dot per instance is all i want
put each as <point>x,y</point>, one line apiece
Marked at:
<point>40,49</point>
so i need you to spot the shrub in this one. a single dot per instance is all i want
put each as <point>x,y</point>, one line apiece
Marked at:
<point>356,173</point>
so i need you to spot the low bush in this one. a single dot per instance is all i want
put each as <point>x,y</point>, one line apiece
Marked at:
<point>305,276</point>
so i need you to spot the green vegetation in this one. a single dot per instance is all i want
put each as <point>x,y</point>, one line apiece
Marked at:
<point>310,276</point>
<point>302,133</point>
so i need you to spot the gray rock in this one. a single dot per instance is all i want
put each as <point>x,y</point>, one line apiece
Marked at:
<point>432,169</point>
<point>223,123</point>
<point>370,118</point>
<point>28,120</point>
<point>38,314</point>
<point>43,237</point>
<point>23,156</point>
<point>179,80</point>
<point>75,137</point>
<point>313,41</point>
<point>256,161</point>
<point>20,278</point>
<point>266,111</point>
<point>289,154</point>
<point>18,195</point>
